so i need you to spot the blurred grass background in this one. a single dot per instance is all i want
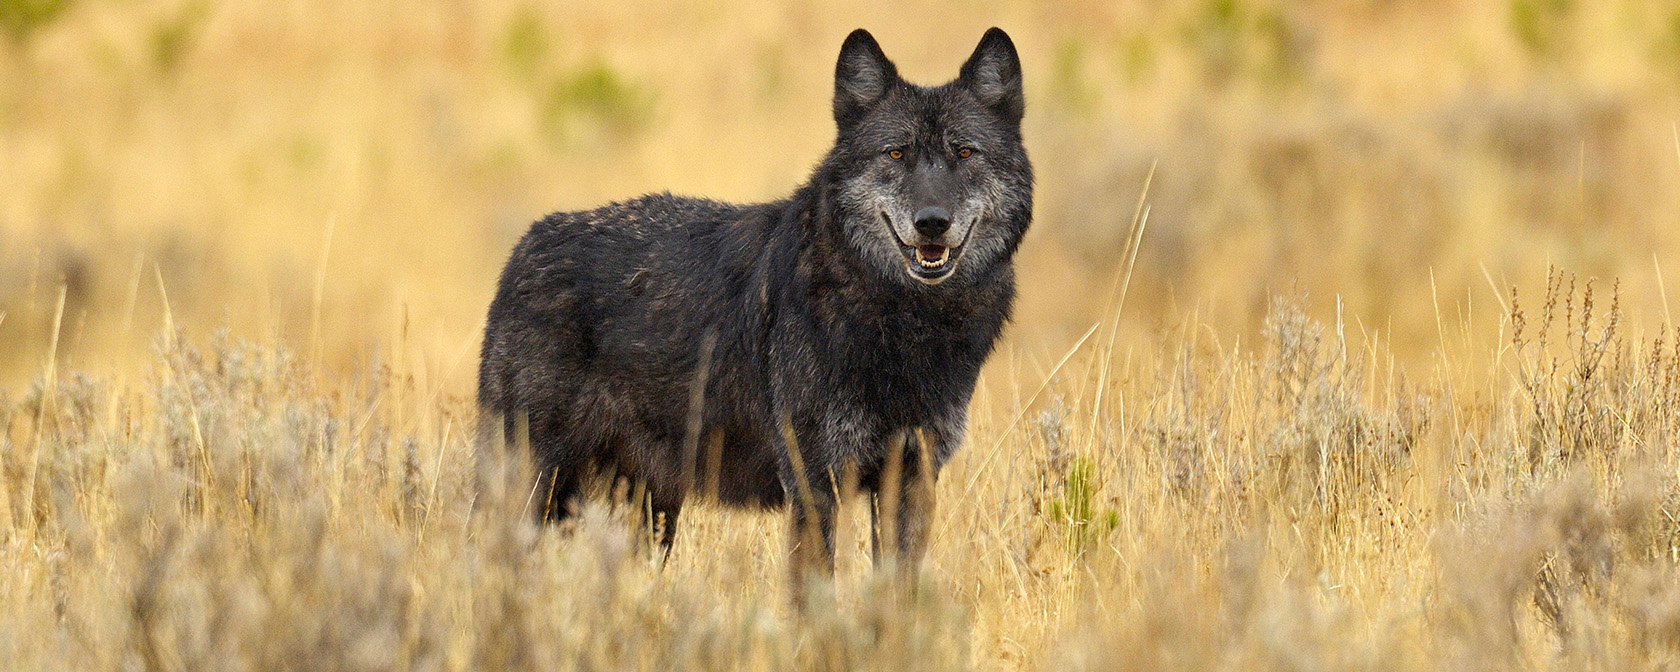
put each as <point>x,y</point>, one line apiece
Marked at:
<point>343,177</point>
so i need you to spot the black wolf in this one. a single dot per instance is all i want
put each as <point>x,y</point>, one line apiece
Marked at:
<point>758,352</point>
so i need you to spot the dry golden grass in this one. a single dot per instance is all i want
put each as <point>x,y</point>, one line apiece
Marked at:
<point>245,249</point>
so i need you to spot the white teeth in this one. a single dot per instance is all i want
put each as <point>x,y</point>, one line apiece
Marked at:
<point>944,255</point>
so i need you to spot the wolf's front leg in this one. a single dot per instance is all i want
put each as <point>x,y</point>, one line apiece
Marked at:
<point>808,480</point>
<point>904,503</point>
<point>810,542</point>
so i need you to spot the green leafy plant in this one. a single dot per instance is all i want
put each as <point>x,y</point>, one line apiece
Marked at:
<point>1077,510</point>
<point>22,18</point>
<point>595,102</point>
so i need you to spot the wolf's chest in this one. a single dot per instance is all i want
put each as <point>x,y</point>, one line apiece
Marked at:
<point>906,371</point>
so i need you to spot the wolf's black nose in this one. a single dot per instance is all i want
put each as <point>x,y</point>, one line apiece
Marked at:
<point>932,221</point>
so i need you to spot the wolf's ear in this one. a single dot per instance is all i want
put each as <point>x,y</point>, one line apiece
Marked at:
<point>993,74</point>
<point>862,76</point>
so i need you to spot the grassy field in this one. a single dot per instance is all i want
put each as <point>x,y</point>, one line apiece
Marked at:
<point>1393,382</point>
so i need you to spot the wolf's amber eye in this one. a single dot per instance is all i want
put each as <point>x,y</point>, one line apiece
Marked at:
<point>964,153</point>
<point>895,154</point>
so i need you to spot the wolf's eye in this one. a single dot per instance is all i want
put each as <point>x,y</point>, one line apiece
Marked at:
<point>965,153</point>
<point>895,154</point>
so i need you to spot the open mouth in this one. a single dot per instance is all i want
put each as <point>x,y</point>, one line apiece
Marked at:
<point>932,257</point>
<point>931,263</point>
<point>928,262</point>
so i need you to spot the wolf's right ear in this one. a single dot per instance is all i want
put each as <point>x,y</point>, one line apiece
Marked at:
<point>862,76</point>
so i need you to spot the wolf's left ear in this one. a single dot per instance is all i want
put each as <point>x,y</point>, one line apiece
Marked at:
<point>861,77</point>
<point>993,74</point>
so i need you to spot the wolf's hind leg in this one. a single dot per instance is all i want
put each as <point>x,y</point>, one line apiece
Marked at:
<point>664,522</point>
<point>556,491</point>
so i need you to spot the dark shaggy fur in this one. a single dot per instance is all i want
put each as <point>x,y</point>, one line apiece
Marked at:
<point>852,317</point>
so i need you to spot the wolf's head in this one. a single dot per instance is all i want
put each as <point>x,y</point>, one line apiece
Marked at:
<point>931,179</point>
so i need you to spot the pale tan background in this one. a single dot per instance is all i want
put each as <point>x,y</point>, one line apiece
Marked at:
<point>1382,153</point>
